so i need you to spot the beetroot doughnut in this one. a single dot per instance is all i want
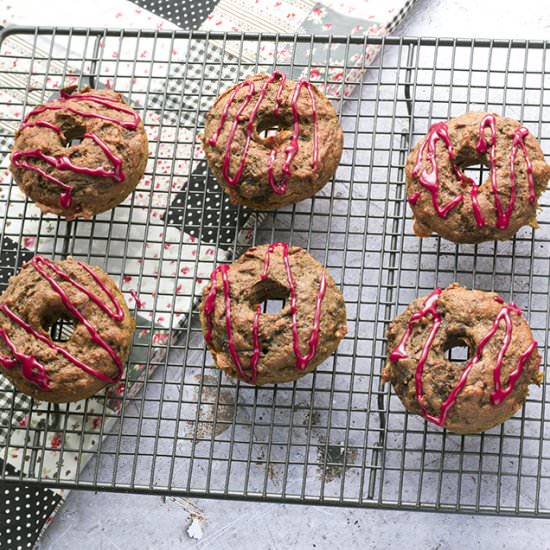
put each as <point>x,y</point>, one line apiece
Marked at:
<point>86,178</point>
<point>94,355</point>
<point>445,201</point>
<point>288,166</point>
<point>466,397</point>
<point>262,348</point>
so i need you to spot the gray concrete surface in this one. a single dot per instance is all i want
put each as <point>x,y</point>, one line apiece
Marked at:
<point>133,521</point>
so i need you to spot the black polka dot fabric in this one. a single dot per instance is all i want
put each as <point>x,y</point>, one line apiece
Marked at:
<point>24,512</point>
<point>203,210</point>
<point>187,15</point>
<point>12,257</point>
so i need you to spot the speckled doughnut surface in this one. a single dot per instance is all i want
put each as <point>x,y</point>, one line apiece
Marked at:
<point>464,397</point>
<point>81,179</point>
<point>288,166</point>
<point>445,201</point>
<point>92,357</point>
<point>262,348</point>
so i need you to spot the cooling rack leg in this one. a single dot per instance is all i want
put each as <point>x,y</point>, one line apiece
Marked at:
<point>379,446</point>
<point>404,141</point>
<point>407,89</point>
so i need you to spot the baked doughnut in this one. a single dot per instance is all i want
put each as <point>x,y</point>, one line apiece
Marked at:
<point>465,397</point>
<point>446,201</point>
<point>283,168</point>
<point>44,292</point>
<point>80,180</point>
<point>262,348</point>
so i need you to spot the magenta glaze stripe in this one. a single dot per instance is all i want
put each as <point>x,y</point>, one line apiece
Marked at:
<point>209,306</point>
<point>293,147</point>
<point>302,361</point>
<point>43,124</point>
<point>138,302</point>
<point>504,215</point>
<point>430,179</point>
<point>80,364</point>
<point>100,100</point>
<point>31,369</point>
<point>118,314</point>
<point>64,162</point>
<point>519,141</point>
<point>66,198</point>
<point>429,307</point>
<point>250,126</point>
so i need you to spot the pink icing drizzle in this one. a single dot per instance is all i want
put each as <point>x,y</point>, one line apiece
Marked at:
<point>64,162</point>
<point>43,124</point>
<point>111,103</point>
<point>503,216</point>
<point>139,303</point>
<point>519,141</point>
<point>301,360</point>
<point>413,199</point>
<point>430,180</point>
<point>209,305</point>
<point>429,307</point>
<point>31,369</point>
<point>293,147</point>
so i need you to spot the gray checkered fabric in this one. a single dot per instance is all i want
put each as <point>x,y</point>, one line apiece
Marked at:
<point>194,85</point>
<point>13,407</point>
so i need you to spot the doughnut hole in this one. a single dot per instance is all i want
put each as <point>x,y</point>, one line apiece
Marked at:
<point>74,134</point>
<point>59,324</point>
<point>62,330</point>
<point>271,296</point>
<point>476,173</point>
<point>474,165</point>
<point>269,125</point>
<point>441,377</point>
<point>458,349</point>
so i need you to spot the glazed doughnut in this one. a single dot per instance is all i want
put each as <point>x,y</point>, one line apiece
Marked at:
<point>445,201</point>
<point>43,292</point>
<point>85,178</point>
<point>291,165</point>
<point>465,397</point>
<point>262,348</point>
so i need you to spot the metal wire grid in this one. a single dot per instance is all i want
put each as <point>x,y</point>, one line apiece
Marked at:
<point>337,436</point>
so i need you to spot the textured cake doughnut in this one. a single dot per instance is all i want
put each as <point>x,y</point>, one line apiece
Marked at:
<point>44,292</point>
<point>262,348</point>
<point>89,177</point>
<point>465,397</point>
<point>444,200</point>
<point>283,168</point>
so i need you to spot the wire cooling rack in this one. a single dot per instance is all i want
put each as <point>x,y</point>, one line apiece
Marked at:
<point>337,436</point>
